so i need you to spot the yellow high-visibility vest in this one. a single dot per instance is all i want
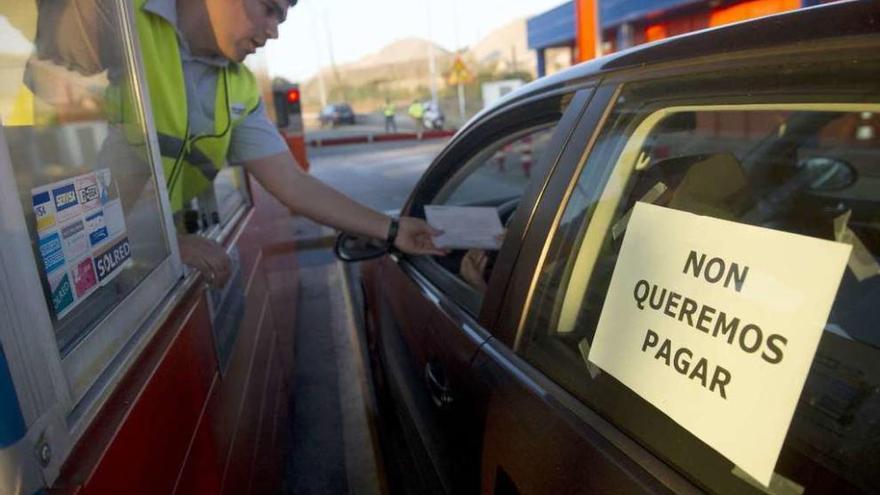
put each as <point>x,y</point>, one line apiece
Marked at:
<point>190,162</point>
<point>416,110</point>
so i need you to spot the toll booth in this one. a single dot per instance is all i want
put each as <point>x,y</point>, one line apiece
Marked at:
<point>287,100</point>
<point>121,371</point>
<point>625,23</point>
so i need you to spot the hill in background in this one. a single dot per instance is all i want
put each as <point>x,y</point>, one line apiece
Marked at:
<point>400,72</point>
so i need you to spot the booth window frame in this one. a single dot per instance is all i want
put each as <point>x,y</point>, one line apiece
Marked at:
<point>61,396</point>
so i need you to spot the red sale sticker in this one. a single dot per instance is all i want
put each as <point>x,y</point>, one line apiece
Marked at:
<point>84,278</point>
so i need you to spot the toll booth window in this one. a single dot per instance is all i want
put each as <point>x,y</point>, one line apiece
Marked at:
<point>230,192</point>
<point>804,167</point>
<point>77,138</point>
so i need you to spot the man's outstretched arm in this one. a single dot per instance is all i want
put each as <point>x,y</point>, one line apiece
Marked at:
<point>305,195</point>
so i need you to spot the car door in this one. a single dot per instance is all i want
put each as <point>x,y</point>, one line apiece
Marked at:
<point>788,145</point>
<point>426,308</point>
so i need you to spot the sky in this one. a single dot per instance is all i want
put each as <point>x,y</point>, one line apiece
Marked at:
<point>354,28</point>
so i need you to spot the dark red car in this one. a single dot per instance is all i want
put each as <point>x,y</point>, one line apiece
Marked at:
<point>487,358</point>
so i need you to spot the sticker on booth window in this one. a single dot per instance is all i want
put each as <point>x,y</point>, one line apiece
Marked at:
<point>44,210</point>
<point>109,262</point>
<point>82,239</point>
<point>97,228</point>
<point>84,278</point>
<point>66,202</point>
<point>87,192</point>
<point>75,242</point>
<point>51,252</point>
<point>716,324</point>
<point>106,187</point>
<point>62,294</point>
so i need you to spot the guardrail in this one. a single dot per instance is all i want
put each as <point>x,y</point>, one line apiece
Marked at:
<point>378,138</point>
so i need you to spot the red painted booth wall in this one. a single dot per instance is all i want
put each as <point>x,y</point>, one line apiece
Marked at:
<point>175,424</point>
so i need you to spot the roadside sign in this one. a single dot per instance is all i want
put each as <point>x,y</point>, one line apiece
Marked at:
<point>459,74</point>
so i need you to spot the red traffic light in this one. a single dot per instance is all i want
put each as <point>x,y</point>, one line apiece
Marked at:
<point>292,96</point>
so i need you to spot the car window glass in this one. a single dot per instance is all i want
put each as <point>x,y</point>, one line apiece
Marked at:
<point>494,173</point>
<point>796,162</point>
<point>499,173</point>
<point>495,177</point>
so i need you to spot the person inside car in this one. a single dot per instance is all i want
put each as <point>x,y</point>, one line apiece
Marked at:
<point>476,266</point>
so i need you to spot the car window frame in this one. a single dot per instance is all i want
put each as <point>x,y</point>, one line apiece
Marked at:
<point>518,298</point>
<point>466,145</point>
<point>511,287</point>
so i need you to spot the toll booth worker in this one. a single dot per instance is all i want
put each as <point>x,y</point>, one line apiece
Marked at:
<point>208,112</point>
<point>388,111</point>
<point>417,112</point>
<point>211,38</point>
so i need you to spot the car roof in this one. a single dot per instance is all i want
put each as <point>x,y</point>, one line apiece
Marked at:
<point>802,26</point>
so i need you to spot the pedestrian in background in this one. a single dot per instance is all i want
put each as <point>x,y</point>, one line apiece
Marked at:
<point>417,112</point>
<point>390,124</point>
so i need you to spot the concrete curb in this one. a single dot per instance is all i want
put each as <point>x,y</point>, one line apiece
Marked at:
<point>378,138</point>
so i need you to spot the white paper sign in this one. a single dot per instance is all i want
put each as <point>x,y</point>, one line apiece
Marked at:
<point>716,323</point>
<point>465,227</point>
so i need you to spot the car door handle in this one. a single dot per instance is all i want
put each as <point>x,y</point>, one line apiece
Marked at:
<point>438,386</point>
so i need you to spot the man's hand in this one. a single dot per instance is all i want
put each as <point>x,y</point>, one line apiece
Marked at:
<point>414,236</point>
<point>306,195</point>
<point>206,256</point>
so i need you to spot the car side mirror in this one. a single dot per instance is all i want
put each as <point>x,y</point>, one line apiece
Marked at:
<point>350,247</point>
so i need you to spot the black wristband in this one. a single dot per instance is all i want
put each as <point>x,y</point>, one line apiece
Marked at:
<point>392,234</point>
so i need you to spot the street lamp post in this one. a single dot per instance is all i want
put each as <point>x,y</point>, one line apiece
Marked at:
<point>432,63</point>
<point>461,99</point>
<point>322,88</point>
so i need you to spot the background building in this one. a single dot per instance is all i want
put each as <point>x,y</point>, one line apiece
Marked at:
<point>557,33</point>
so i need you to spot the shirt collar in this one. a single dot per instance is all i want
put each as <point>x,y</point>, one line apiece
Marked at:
<point>167,9</point>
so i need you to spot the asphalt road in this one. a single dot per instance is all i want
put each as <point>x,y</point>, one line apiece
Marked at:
<point>334,447</point>
<point>379,175</point>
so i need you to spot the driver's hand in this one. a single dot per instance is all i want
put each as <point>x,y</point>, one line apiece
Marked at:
<point>415,236</point>
<point>206,256</point>
<point>473,268</point>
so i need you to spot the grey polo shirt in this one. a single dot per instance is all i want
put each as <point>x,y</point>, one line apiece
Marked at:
<point>255,136</point>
